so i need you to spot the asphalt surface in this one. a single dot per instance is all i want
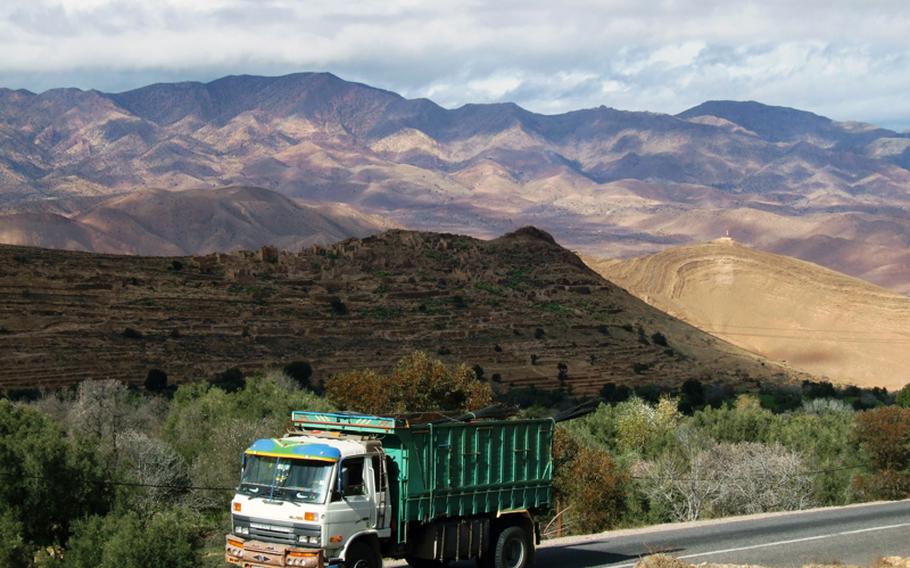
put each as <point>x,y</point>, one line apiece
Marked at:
<point>852,535</point>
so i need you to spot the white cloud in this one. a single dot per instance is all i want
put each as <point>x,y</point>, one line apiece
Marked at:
<point>848,59</point>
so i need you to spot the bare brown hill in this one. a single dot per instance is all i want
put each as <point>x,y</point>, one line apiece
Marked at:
<point>604,181</point>
<point>518,306</point>
<point>197,221</point>
<point>785,309</point>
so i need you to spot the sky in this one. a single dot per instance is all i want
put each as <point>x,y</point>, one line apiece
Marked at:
<point>846,59</point>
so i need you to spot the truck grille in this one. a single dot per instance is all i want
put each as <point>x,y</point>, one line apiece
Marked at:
<point>277,531</point>
<point>272,534</point>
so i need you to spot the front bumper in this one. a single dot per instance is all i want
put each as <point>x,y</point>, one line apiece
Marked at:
<point>258,554</point>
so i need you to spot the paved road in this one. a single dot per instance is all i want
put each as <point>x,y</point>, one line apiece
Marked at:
<point>853,535</point>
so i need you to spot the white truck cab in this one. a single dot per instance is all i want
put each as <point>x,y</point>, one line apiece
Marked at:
<point>303,499</point>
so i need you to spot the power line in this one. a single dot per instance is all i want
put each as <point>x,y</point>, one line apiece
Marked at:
<point>110,482</point>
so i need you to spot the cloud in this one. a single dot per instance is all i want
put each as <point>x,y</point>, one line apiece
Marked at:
<point>842,58</point>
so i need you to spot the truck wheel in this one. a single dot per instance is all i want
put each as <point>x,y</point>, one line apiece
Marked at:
<point>362,555</point>
<point>513,549</point>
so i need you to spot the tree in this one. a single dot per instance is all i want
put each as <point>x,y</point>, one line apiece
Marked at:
<point>417,383</point>
<point>884,434</point>
<point>161,540</point>
<point>642,428</point>
<point>47,482</point>
<point>156,381</point>
<point>301,372</point>
<point>210,428</point>
<point>231,380</point>
<point>155,464</point>
<point>693,396</point>
<point>903,397</point>
<point>747,422</point>
<point>13,549</point>
<point>588,486</point>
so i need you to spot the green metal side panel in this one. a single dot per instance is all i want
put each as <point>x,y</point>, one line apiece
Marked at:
<point>463,469</point>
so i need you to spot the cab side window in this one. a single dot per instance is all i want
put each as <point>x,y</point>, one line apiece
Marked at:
<point>352,477</point>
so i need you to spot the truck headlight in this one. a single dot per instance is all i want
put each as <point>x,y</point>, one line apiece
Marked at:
<point>240,529</point>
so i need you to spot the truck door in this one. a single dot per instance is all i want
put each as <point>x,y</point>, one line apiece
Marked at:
<point>352,508</point>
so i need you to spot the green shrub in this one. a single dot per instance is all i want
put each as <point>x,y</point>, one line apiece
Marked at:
<point>903,397</point>
<point>13,549</point>
<point>166,540</point>
<point>745,422</point>
<point>210,428</point>
<point>47,482</point>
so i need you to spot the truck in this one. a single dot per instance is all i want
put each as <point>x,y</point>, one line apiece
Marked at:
<point>345,489</point>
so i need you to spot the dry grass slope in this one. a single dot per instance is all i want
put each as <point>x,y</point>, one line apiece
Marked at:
<point>785,309</point>
<point>518,306</point>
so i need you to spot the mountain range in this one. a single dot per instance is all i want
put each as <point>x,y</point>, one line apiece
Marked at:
<point>156,222</point>
<point>605,182</point>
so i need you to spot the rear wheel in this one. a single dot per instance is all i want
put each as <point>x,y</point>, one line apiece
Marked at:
<point>362,555</point>
<point>513,549</point>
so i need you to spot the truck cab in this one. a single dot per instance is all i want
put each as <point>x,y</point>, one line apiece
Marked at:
<point>302,498</point>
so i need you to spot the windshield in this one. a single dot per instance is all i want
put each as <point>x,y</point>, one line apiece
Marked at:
<point>283,478</point>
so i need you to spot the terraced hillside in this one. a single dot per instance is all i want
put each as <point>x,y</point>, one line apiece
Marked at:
<point>518,306</point>
<point>821,321</point>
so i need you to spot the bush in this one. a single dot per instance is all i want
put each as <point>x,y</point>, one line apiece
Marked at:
<point>132,333</point>
<point>707,479</point>
<point>154,463</point>
<point>47,482</point>
<point>884,434</point>
<point>301,372</point>
<point>693,396</point>
<point>13,549</point>
<point>746,422</point>
<point>156,381</point>
<point>338,307</point>
<point>418,383</point>
<point>165,540</point>
<point>611,392</point>
<point>643,429</point>
<point>588,487</point>
<point>824,439</point>
<point>210,428</point>
<point>903,397</point>
<point>231,380</point>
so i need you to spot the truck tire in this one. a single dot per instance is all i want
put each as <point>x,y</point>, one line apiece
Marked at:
<point>513,549</point>
<point>362,555</point>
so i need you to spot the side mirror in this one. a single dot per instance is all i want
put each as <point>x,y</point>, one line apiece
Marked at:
<point>337,496</point>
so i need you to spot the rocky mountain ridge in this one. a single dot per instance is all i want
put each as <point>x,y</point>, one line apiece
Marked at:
<point>604,181</point>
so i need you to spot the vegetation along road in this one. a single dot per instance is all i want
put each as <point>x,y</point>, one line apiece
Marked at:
<point>856,534</point>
